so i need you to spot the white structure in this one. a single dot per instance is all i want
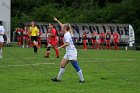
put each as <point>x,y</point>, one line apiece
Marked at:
<point>131,36</point>
<point>5,16</point>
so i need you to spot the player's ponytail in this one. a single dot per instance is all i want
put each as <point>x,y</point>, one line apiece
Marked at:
<point>71,31</point>
<point>69,28</point>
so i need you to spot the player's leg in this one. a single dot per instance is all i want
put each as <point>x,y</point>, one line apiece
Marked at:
<point>27,41</point>
<point>106,44</point>
<point>115,45</point>
<point>109,44</point>
<point>20,41</point>
<point>24,41</point>
<point>39,42</point>
<point>56,51</point>
<point>48,51</point>
<point>78,69</point>
<point>63,63</point>
<point>1,44</point>
<point>98,44</point>
<point>92,44</point>
<point>73,59</point>
<point>103,44</point>
<point>35,43</point>
<point>84,43</point>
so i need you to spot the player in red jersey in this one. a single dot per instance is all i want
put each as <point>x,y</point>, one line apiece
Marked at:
<point>84,38</point>
<point>19,36</point>
<point>108,38</point>
<point>53,41</point>
<point>102,39</point>
<point>94,42</point>
<point>116,37</point>
<point>61,36</point>
<point>98,41</point>
<point>39,39</point>
<point>25,37</point>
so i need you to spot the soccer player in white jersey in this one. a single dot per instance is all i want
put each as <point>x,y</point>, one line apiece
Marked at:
<point>71,53</point>
<point>2,30</point>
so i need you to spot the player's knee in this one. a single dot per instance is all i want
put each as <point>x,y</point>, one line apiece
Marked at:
<point>75,65</point>
<point>62,65</point>
<point>49,48</point>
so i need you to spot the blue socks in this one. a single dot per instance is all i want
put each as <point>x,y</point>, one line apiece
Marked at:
<point>75,65</point>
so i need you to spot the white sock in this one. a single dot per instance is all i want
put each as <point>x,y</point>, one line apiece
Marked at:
<point>61,72</point>
<point>0,51</point>
<point>80,75</point>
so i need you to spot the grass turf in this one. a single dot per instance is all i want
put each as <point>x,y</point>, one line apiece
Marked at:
<point>105,71</point>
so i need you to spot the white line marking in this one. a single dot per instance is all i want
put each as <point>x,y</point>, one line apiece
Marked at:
<point>82,61</point>
<point>115,60</point>
<point>30,58</point>
<point>23,65</point>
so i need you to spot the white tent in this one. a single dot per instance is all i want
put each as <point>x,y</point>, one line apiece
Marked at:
<point>131,36</point>
<point>5,16</point>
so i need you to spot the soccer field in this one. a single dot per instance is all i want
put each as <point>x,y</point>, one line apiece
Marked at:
<point>105,71</point>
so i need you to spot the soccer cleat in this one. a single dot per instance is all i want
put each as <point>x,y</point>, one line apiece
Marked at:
<point>55,80</point>
<point>57,57</point>
<point>81,81</point>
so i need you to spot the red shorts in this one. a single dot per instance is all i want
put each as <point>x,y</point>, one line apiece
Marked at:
<point>19,37</point>
<point>39,38</point>
<point>25,37</point>
<point>54,43</point>
<point>94,41</point>
<point>61,39</point>
<point>108,41</point>
<point>116,40</point>
<point>102,41</point>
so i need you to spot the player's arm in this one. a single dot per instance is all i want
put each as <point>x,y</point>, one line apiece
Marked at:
<point>55,19</point>
<point>64,45</point>
<point>37,31</point>
<point>2,32</point>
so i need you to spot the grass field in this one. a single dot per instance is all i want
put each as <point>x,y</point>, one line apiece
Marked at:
<point>105,71</point>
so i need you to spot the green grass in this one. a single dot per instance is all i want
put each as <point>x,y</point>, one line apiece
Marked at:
<point>105,71</point>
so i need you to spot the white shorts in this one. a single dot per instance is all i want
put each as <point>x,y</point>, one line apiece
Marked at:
<point>71,55</point>
<point>1,39</point>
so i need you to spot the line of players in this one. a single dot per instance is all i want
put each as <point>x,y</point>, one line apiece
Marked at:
<point>24,38</point>
<point>31,37</point>
<point>99,40</point>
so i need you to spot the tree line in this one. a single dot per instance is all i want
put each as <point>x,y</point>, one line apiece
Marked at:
<point>78,11</point>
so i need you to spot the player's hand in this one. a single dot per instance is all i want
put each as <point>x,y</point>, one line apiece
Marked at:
<point>58,48</point>
<point>55,19</point>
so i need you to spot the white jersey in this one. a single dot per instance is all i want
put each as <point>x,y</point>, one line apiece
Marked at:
<point>68,39</point>
<point>2,30</point>
<point>71,52</point>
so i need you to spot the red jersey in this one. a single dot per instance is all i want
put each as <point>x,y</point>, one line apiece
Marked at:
<point>102,36</point>
<point>61,34</point>
<point>94,35</point>
<point>108,36</point>
<point>40,33</point>
<point>116,37</point>
<point>25,32</point>
<point>53,37</point>
<point>84,37</point>
<point>19,32</point>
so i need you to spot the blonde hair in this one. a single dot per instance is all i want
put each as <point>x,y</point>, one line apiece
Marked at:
<point>69,28</point>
